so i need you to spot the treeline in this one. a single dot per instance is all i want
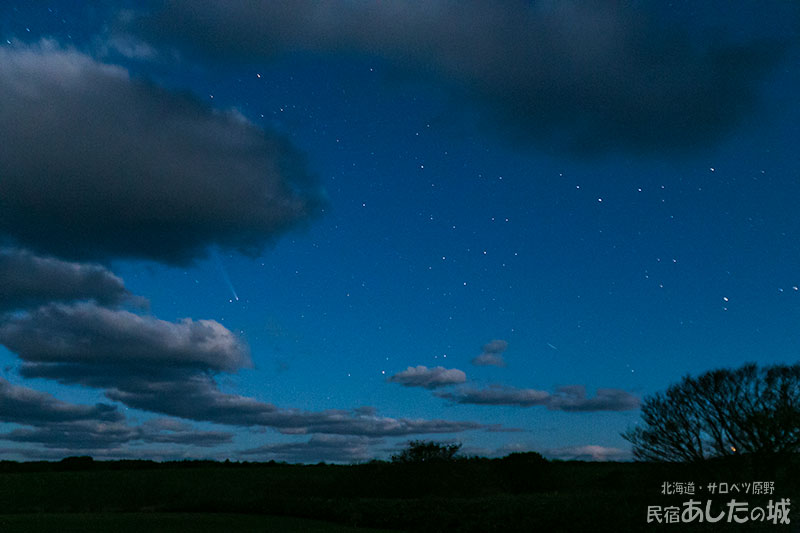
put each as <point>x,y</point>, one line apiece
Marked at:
<point>79,463</point>
<point>86,462</point>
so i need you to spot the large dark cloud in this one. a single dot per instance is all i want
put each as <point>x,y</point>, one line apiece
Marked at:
<point>577,75</point>
<point>430,378</point>
<point>568,398</point>
<point>168,367</point>
<point>331,448</point>
<point>28,280</point>
<point>96,164</point>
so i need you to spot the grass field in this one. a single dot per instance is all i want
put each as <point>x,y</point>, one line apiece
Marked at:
<point>522,494</point>
<point>167,522</point>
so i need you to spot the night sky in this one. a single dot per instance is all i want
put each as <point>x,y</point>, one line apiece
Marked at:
<point>313,231</point>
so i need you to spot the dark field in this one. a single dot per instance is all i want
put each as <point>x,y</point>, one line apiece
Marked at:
<point>166,522</point>
<point>517,493</point>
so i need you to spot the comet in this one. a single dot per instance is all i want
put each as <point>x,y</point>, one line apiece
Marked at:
<point>225,276</point>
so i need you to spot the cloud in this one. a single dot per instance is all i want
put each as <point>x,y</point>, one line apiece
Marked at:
<point>497,395</point>
<point>28,280</point>
<point>499,428</point>
<point>198,398</point>
<point>492,354</point>
<point>330,448</point>
<point>171,431</point>
<point>588,453</point>
<point>569,398</point>
<point>120,341</point>
<point>28,406</point>
<point>430,378</point>
<point>75,435</point>
<point>101,165</point>
<point>579,76</point>
<point>115,453</point>
<point>84,434</point>
<point>573,398</point>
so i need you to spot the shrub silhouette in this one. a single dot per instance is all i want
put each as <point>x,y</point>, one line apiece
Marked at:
<point>722,413</point>
<point>421,451</point>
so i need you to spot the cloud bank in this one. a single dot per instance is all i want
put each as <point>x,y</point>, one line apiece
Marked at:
<point>169,367</point>
<point>65,426</point>
<point>582,76</point>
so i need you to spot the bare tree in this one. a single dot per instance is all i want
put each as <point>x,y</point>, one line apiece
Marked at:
<point>720,413</point>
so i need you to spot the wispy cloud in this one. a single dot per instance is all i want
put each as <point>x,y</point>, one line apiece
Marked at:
<point>492,354</point>
<point>568,398</point>
<point>330,448</point>
<point>497,395</point>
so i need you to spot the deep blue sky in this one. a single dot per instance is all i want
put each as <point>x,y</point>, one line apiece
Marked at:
<point>361,199</point>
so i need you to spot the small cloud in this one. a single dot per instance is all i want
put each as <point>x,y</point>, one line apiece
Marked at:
<point>366,410</point>
<point>499,428</point>
<point>573,398</point>
<point>429,378</point>
<point>492,354</point>
<point>588,453</point>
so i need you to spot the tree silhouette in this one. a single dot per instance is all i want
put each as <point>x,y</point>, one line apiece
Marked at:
<point>723,412</point>
<point>421,451</point>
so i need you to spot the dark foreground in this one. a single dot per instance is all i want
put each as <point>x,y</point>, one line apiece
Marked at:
<point>521,492</point>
